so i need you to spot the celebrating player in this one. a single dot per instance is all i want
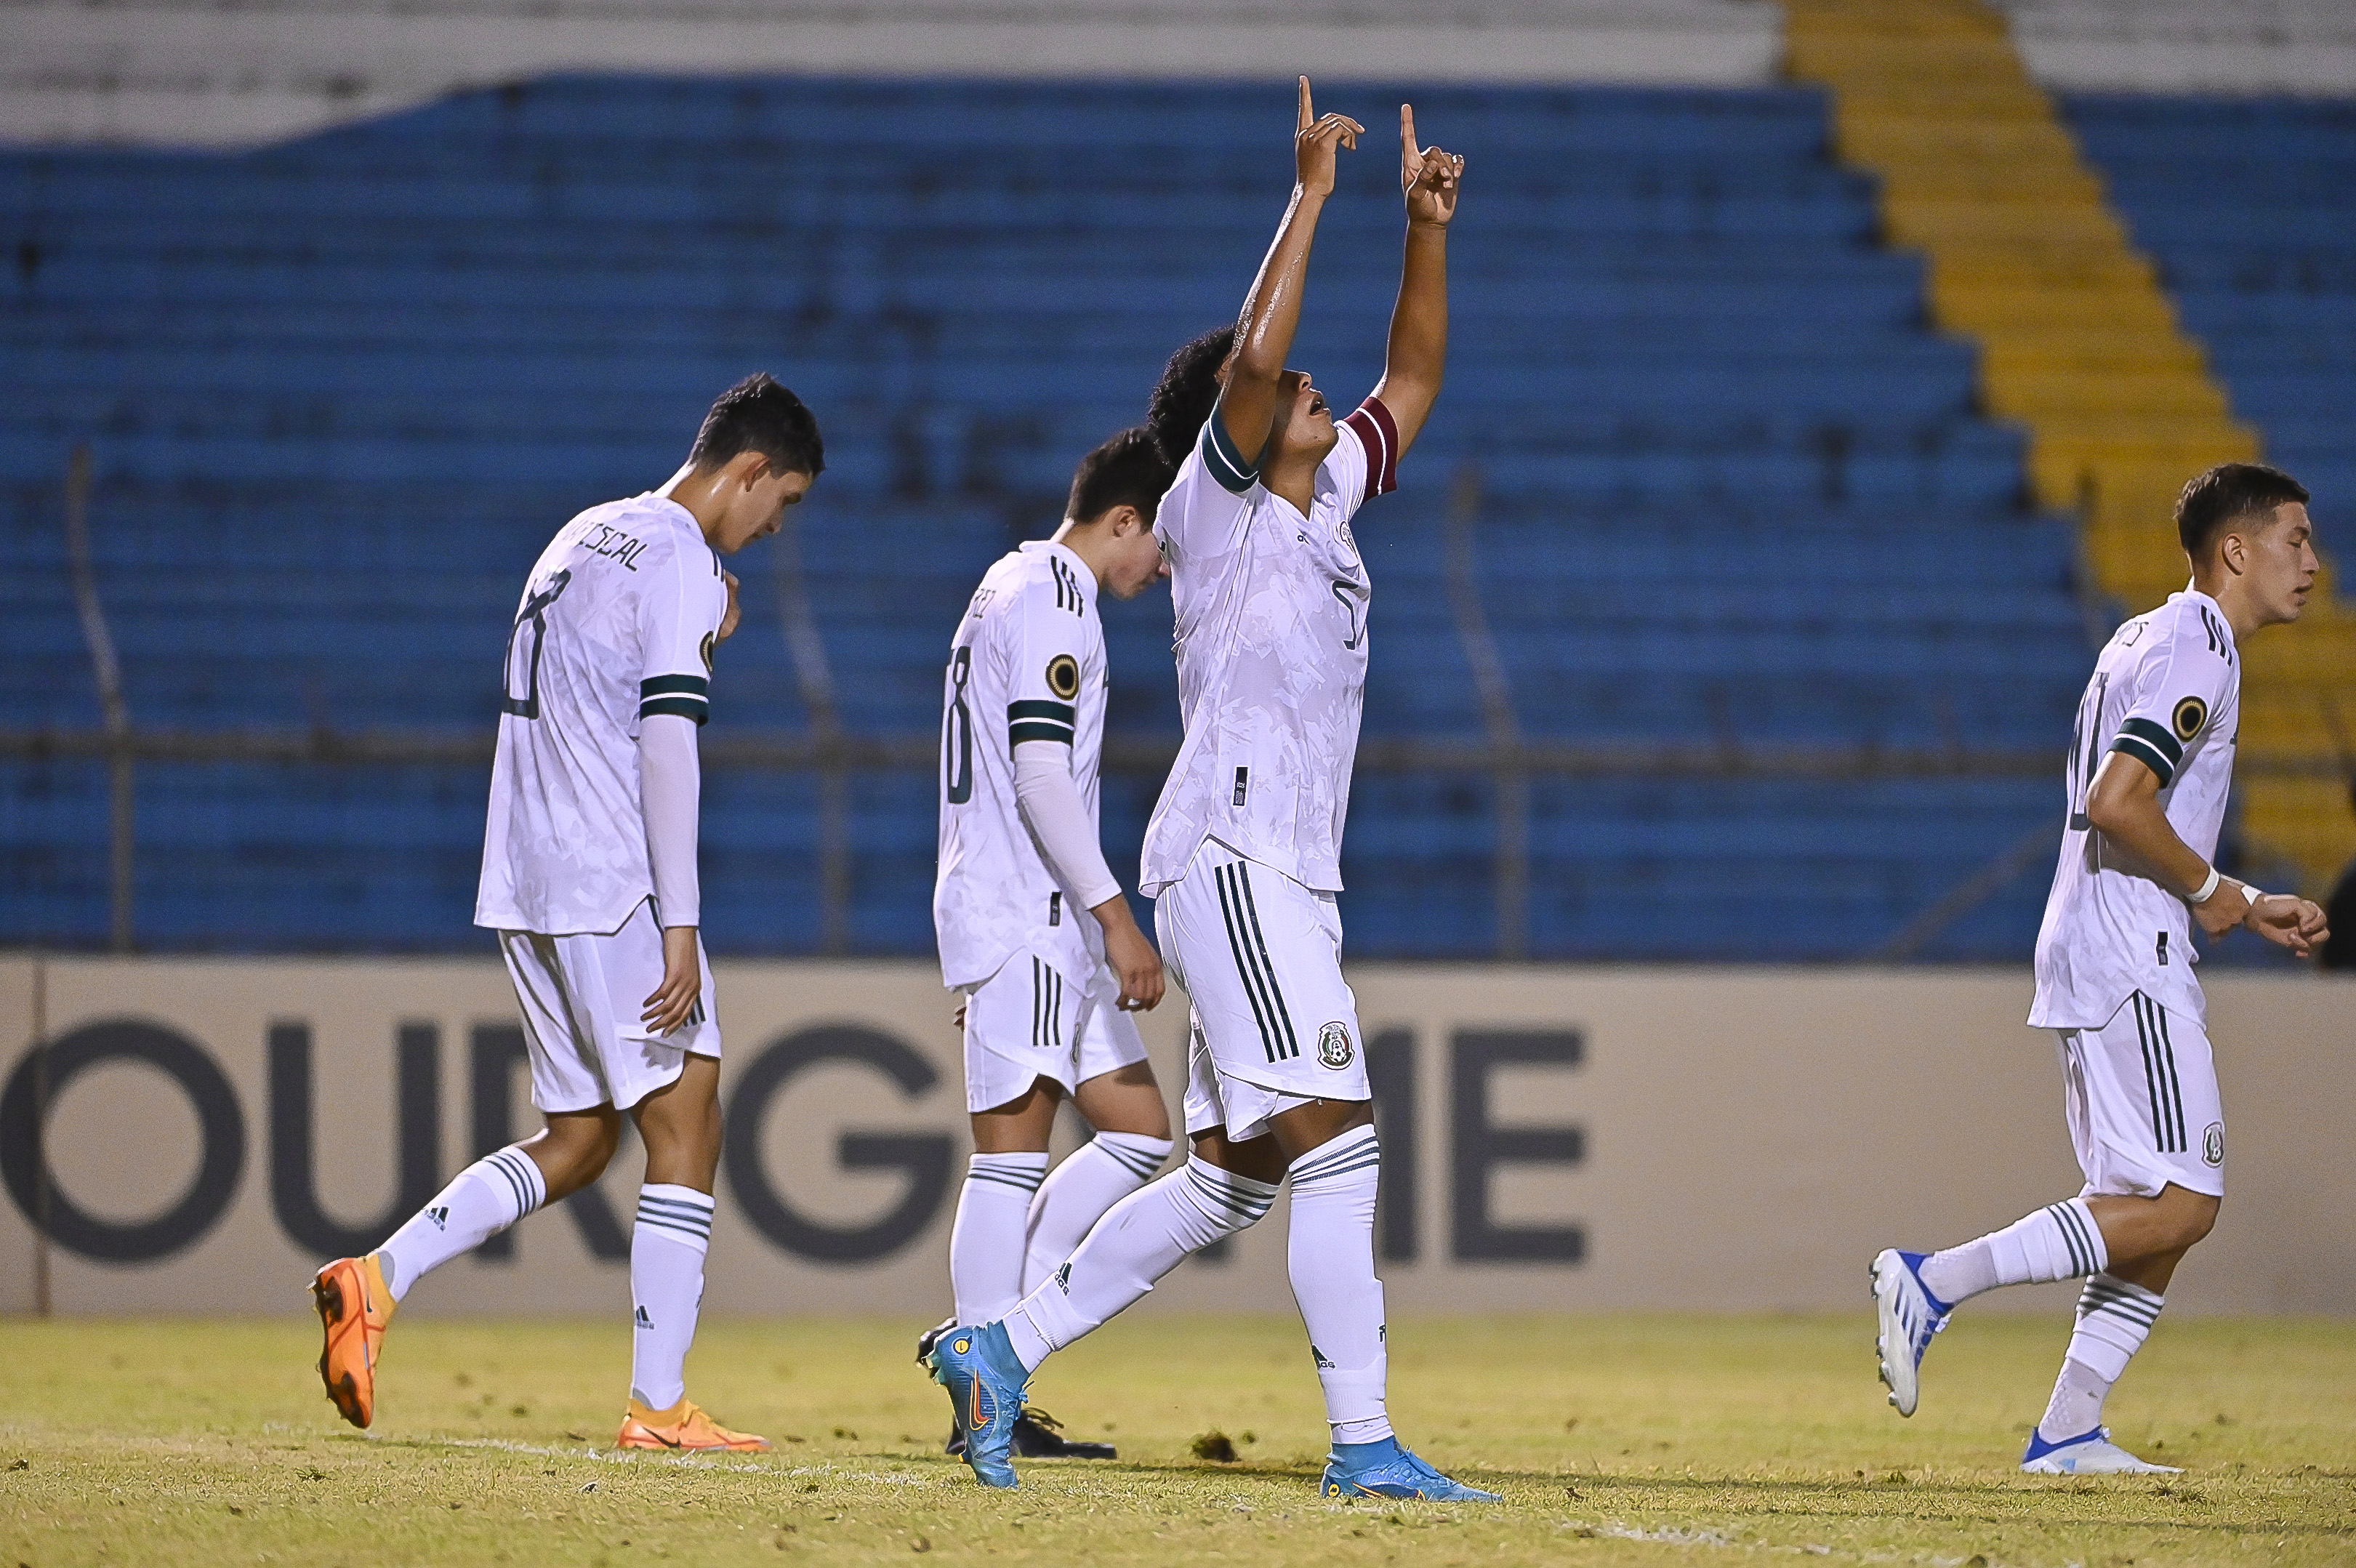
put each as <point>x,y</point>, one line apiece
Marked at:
<point>1243,850</point>
<point>589,877</point>
<point>2148,771</point>
<point>1048,991</point>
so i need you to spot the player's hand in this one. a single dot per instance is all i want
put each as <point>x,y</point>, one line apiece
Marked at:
<point>2225,909</point>
<point>728,621</point>
<point>2288,922</point>
<point>1316,144</point>
<point>1132,957</point>
<point>1427,176</point>
<point>682,982</point>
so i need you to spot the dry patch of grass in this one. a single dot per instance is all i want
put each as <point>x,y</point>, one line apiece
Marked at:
<point>1615,1439</point>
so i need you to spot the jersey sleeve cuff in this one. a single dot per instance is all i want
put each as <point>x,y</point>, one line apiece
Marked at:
<point>1223,461</point>
<point>1378,432</point>
<point>1040,720</point>
<point>2152,745</point>
<point>685,697</point>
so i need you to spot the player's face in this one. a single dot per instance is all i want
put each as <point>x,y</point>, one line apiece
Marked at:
<point>2281,562</point>
<point>756,507</point>
<point>1135,562</point>
<point>1307,428</point>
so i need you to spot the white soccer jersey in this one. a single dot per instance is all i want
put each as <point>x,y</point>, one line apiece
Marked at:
<point>1271,647</point>
<point>617,622</point>
<point>1027,663</point>
<point>2167,691</point>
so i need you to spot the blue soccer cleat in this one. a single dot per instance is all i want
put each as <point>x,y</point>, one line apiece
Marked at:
<point>985,1383</point>
<point>1386,1469</point>
<point>1908,1318</point>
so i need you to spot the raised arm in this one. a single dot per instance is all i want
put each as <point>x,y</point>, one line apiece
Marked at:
<point>1418,346</point>
<point>1264,336</point>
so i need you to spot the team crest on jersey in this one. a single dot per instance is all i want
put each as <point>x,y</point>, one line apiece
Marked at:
<point>1334,1045</point>
<point>1063,676</point>
<point>2212,1144</point>
<point>704,648</point>
<point>2190,715</point>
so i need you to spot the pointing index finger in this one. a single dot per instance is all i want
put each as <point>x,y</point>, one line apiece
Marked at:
<point>1406,130</point>
<point>1308,117</point>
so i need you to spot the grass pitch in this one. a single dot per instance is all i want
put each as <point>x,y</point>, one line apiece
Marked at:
<point>1615,1439</point>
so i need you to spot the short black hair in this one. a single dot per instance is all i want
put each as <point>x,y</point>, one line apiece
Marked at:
<point>2226,493</point>
<point>1189,390</point>
<point>1127,470</point>
<point>757,414</point>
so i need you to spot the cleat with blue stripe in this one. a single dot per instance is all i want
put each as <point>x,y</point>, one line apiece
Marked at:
<point>985,1383</point>
<point>1386,1469</point>
<point>1909,1316</point>
<point>2088,1453</point>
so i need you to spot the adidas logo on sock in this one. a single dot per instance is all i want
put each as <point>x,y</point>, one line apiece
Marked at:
<point>1063,1279</point>
<point>1318,1357</point>
<point>643,1320</point>
<point>440,1217</point>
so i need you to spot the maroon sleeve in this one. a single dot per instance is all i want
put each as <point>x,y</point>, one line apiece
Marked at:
<point>1375,431</point>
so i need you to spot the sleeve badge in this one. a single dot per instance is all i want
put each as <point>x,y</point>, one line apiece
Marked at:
<point>1063,676</point>
<point>704,648</point>
<point>2190,715</point>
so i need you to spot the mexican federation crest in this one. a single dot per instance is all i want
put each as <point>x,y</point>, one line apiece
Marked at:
<point>1334,1045</point>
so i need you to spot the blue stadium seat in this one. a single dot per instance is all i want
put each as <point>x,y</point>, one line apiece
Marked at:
<point>341,391</point>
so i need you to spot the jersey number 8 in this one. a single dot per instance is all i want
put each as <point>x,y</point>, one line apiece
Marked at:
<point>956,734</point>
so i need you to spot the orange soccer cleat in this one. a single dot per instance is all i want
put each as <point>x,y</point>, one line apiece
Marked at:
<point>353,1308</point>
<point>684,1427</point>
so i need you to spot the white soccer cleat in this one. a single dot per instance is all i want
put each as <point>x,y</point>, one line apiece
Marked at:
<point>2088,1453</point>
<point>1910,1316</point>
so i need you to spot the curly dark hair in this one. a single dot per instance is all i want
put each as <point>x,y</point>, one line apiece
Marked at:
<point>1189,390</point>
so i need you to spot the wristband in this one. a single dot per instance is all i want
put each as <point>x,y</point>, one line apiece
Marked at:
<point>2208,889</point>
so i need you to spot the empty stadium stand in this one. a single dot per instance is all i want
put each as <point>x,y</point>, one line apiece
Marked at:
<point>1737,506</point>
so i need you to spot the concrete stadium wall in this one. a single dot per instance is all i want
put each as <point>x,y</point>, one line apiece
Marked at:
<point>223,73</point>
<point>1555,1137</point>
<point>234,72</point>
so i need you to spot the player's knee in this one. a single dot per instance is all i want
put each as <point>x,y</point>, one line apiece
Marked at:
<point>2192,1218</point>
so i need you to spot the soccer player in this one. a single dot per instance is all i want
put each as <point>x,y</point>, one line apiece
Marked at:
<point>1033,928</point>
<point>589,877</point>
<point>1242,853</point>
<point>2148,771</point>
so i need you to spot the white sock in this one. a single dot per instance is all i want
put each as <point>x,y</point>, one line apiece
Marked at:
<point>986,1241</point>
<point>2060,1242</point>
<point>667,1246</point>
<point>1100,1173</point>
<point>480,1202</point>
<point>1141,1239</point>
<point>1332,1261</point>
<point>2114,1317</point>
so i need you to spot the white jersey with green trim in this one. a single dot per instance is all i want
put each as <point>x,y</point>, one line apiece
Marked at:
<point>1027,663</point>
<point>1271,647</point>
<point>2167,691</point>
<point>617,622</point>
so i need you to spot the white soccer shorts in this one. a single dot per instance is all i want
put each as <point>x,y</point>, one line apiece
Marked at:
<point>1028,1022</point>
<point>1274,1023</point>
<point>582,997</point>
<point>2141,1094</point>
